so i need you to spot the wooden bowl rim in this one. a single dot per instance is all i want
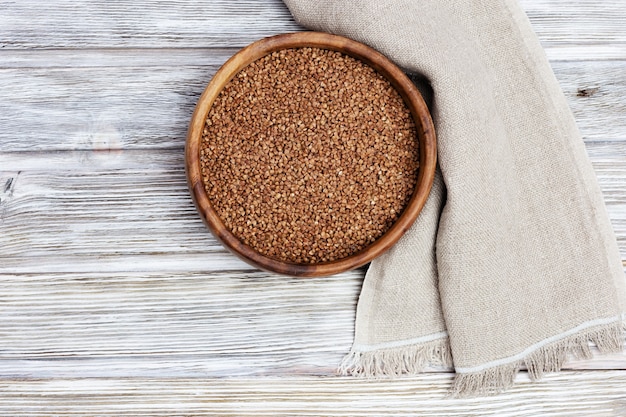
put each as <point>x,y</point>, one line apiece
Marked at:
<point>412,98</point>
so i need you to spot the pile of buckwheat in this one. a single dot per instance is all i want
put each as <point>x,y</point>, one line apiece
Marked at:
<point>309,155</point>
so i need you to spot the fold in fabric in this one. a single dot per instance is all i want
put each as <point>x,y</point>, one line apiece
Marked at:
<point>513,261</point>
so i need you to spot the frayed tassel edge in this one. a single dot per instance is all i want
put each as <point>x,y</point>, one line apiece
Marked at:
<point>549,358</point>
<point>413,359</point>
<point>410,359</point>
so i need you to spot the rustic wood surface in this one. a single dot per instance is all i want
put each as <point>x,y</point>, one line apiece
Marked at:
<point>116,300</point>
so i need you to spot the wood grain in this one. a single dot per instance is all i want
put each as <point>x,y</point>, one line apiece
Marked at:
<point>205,323</point>
<point>571,394</point>
<point>144,23</point>
<point>182,324</point>
<point>579,22</point>
<point>116,301</point>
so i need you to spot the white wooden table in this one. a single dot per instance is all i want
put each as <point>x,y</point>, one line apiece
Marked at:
<point>115,299</point>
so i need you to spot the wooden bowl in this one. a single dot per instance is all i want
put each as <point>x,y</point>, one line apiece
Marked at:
<point>408,91</point>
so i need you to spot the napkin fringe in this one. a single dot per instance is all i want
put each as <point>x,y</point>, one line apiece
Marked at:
<point>409,359</point>
<point>549,358</point>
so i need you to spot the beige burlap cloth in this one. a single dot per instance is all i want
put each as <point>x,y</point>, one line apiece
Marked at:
<point>513,261</point>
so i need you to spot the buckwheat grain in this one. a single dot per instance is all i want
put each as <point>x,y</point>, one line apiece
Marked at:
<point>309,155</point>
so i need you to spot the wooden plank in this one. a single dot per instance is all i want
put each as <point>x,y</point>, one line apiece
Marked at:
<point>183,325</point>
<point>577,22</point>
<point>126,57</point>
<point>205,262</point>
<point>187,324</point>
<point>96,108</point>
<point>146,100</point>
<point>120,210</point>
<point>222,23</point>
<point>602,52</point>
<point>596,92</point>
<point>571,394</point>
<point>144,23</point>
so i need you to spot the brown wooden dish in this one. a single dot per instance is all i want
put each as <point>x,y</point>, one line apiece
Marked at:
<point>412,99</point>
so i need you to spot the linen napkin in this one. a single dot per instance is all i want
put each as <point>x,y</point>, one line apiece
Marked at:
<point>513,261</point>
